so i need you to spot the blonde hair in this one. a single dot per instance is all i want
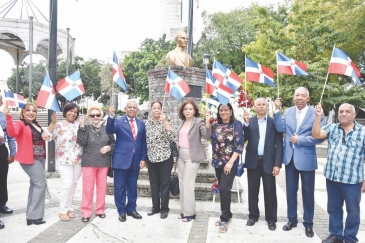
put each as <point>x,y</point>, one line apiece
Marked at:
<point>27,105</point>
<point>94,107</point>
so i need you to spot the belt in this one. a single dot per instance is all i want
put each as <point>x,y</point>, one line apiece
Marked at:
<point>260,157</point>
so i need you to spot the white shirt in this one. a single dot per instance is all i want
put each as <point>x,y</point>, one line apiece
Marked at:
<point>302,114</point>
<point>1,132</point>
<point>134,123</point>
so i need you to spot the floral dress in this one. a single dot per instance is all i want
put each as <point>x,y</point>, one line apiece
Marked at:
<point>227,138</point>
<point>65,137</point>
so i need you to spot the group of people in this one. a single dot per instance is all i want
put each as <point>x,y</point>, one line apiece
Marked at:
<point>88,149</point>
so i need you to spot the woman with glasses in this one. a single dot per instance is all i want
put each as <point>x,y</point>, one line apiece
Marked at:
<point>98,148</point>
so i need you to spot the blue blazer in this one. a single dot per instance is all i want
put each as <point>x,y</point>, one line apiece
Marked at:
<point>126,149</point>
<point>305,156</point>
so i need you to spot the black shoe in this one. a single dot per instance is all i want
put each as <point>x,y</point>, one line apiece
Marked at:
<point>164,215</point>
<point>135,215</point>
<point>309,232</point>
<point>272,226</point>
<point>349,242</point>
<point>2,225</point>
<point>251,222</point>
<point>122,217</point>
<point>152,211</point>
<point>332,239</point>
<point>289,226</point>
<point>5,210</point>
<point>35,221</point>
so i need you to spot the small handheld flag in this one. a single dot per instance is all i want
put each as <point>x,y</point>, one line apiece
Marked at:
<point>117,72</point>
<point>217,89</point>
<point>290,66</point>
<point>258,73</point>
<point>71,86</point>
<point>176,86</point>
<point>226,76</point>
<point>47,96</point>
<point>15,100</point>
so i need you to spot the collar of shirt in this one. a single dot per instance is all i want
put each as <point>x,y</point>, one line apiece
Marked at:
<point>303,111</point>
<point>263,120</point>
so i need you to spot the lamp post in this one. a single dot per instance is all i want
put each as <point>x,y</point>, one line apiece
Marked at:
<point>206,58</point>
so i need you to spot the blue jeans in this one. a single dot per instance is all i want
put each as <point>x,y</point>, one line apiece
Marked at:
<point>338,193</point>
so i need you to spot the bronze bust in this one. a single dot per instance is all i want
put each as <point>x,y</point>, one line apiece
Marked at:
<point>179,56</point>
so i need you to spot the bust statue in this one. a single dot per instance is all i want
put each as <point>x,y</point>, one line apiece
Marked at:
<point>179,56</point>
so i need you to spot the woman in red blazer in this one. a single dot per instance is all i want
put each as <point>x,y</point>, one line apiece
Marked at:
<point>32,159</point>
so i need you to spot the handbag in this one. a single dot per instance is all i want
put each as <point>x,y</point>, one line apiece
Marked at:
<point>174,184</point>
<point>173,147</point>
<point>240,168</point>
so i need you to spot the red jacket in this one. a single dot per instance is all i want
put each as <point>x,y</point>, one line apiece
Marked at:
<point>23,137</point>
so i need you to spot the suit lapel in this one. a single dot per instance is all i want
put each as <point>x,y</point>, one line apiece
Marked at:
<point>269,123</point>
<point>305,119</point>
<point>256,125</point>
<point>128,126</point>
<point>192,124</point>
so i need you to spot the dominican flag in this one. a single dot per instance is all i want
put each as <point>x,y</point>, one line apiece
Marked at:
<point>290,66</point>
<point>258,73</point>
<point>176,86</point>
<point>15,100</point>
<point>226,76</point>
<point>342,64</point>
<point>117,72</point>
<point>217,89</point>
<point>47,96</point>
<point>71,86</point>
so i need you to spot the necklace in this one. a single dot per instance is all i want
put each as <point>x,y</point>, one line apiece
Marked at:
<point>96,130</point>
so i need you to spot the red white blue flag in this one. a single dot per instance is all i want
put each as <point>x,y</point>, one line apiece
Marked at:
<point>71,86</point>
<point>256,72</point>
<point>176,86</point>
<point>47,95</point>
<point>290,66</point>
<point>342,64</point>
<point>117,72</point>
<point>226,76</point>
<point>217,89</point>
<point>14,100</point>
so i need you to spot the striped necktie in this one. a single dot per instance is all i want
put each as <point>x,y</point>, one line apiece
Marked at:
<point>298,124</point>
<point>131,123</point>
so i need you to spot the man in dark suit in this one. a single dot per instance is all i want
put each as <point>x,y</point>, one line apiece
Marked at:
<point>263,160</point>
<point>129,157</point>
<point>299,156</point>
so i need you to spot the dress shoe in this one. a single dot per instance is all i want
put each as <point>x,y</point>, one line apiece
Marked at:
<point>35,221</point>
<point>309,232</point>
<point>349,242</point>
<point>152,211</point>
<point>5,210</point>
<point>135,215</point>
<point>2,225</point>
<point>289,226</point>
<point>164,215</point>
<point>272,226</point>
<point>122,217</point>
<point>251,222</point>
<point>332,239</point>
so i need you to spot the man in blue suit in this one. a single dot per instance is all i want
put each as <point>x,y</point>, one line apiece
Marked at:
<point>129,157</point>
<point>299,156</point>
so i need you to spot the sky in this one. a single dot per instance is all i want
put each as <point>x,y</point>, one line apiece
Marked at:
<point>100,27</point>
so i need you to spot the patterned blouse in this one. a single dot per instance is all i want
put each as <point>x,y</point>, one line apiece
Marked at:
<point>227,138</point>
<point>158,141</point>
<point>65,136</point>
<point>92,140</point>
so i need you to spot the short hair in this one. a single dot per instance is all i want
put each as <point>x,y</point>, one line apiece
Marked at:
<point>231,119</point>
<point>302,88</point>
<point>353,107</point>
<point>156,101</point>
<point>260,99</point>
<point>130,101</point>
<point>94,107</point>
<point>182,106</point>
<point>179,35</point>
<point>70,106</point>
<point>27,105</point>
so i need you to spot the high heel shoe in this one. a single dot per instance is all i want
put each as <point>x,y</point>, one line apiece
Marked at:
<point>35,221</point>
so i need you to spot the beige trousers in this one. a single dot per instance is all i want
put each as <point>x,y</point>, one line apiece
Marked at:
<point>187,171</point>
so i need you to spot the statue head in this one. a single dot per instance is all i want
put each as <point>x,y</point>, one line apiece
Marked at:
<point>181,39</point>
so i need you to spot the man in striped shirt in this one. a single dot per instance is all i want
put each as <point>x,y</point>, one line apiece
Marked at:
<point>344,171</point>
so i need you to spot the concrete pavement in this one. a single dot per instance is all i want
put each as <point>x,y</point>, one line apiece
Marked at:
<point>154,229</point>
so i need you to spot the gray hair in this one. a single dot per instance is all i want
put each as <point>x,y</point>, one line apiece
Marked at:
<point>260,99</point>
<point>353,107</point>
<point>302,88</point>
<point>132,101</point>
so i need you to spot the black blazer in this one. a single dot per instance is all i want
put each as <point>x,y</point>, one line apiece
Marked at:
<point>273,148</point>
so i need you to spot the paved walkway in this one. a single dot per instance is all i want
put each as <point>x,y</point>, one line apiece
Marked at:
<point>154,229</point>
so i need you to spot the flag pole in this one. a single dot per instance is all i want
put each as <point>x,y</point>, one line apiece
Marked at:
<point>325,83</point>
<point>164,96</point>
<point>277,72</point>
<point>245,92</point>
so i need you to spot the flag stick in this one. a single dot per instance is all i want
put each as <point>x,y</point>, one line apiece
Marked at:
<point>277,71</point>
<point>325,83</point>
<point>164,97</point>
<point>245,82</point>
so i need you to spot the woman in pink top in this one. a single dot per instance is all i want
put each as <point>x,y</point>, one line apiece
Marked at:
<point>191,152</point>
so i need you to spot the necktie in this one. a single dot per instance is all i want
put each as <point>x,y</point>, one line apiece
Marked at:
<point>133,128</point>
<point>298,124</point>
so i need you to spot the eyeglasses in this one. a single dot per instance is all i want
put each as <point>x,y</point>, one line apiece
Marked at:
<point>94,115</point>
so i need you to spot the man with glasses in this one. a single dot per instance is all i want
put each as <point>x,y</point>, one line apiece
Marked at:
<point>344,172</point>
<point>129,157</point>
